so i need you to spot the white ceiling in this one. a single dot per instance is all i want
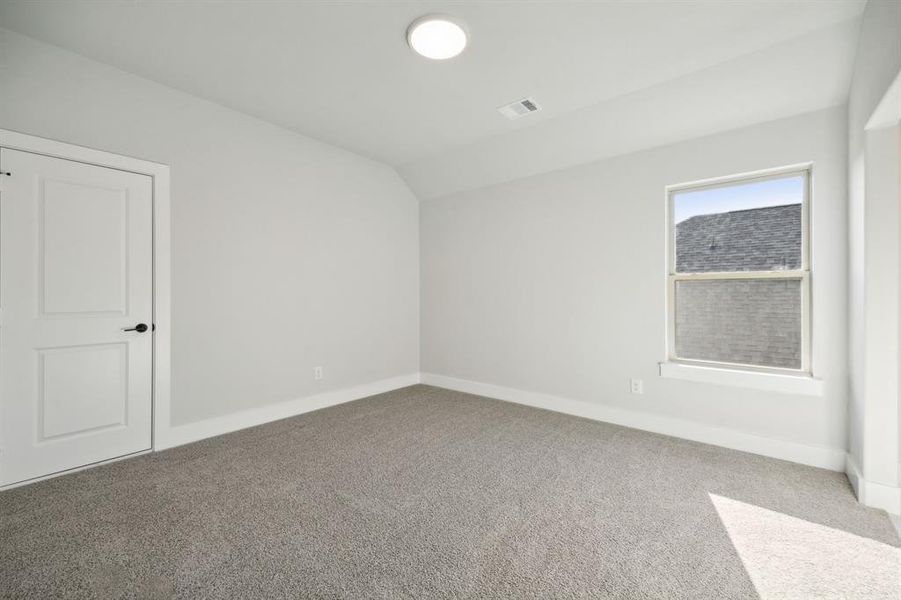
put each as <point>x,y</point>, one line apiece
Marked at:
<point>801,75</point>
<point>341,72</point>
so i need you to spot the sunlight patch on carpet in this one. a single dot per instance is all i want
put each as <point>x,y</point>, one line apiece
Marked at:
<point>788,557</point>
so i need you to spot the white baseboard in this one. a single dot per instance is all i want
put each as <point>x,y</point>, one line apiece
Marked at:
<point>826,458</point>
<point>874,494</point>
<point>192,432</point>
<point>854,476</point>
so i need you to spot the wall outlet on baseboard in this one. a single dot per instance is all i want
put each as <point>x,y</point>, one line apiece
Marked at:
<point>636,386</point>
<point>317,373</point>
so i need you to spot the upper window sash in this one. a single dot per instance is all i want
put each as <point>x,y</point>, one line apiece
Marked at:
<point>802,264</point>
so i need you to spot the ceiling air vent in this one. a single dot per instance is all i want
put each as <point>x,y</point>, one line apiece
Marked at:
<point>518,109</point>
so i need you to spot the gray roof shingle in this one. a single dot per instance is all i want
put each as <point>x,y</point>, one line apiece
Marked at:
<point>756,239</point>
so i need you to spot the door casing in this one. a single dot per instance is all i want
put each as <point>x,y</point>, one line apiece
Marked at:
<point>159,174</point>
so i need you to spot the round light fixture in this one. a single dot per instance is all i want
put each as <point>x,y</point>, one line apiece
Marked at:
<point>436,37</point>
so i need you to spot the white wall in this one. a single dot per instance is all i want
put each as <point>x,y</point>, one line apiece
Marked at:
<point>287,253</point>
<point>873,246</point>
<point>555,283</point>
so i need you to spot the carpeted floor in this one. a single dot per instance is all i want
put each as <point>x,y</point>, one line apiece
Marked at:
<point>425,492</point>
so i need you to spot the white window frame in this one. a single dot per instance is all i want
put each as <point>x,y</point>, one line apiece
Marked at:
<point>802,274</point>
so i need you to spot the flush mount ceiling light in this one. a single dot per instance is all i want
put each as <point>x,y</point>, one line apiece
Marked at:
<point>436,36</point>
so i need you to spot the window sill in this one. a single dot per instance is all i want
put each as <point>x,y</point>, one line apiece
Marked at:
<point>804,385</point>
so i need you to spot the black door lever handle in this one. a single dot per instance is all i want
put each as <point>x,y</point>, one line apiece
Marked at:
<point>140,328</point>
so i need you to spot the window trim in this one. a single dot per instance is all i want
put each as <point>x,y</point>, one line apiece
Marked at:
<point>803,274</point>
<point>785,383</point>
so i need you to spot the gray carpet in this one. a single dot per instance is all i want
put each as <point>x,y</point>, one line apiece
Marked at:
<point>425,492</point>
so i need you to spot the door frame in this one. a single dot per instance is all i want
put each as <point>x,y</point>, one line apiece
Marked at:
<point>162,284</point>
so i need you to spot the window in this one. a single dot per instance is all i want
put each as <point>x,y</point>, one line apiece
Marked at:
<point>739,280</point>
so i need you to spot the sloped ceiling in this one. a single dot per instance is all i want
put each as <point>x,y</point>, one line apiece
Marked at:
<point>612,77</point>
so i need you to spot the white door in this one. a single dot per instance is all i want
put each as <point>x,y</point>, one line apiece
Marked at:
<point>75,275</point>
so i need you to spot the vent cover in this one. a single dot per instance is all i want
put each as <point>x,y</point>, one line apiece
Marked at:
<point>518,109</point>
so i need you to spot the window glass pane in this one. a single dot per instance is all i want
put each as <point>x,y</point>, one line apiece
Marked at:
<point>745,321</point>
<point>752,226</point>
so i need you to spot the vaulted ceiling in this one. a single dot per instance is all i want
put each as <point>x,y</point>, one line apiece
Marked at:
<point>611,76</point>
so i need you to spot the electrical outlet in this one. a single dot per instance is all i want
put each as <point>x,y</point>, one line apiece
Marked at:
<point>317,373</point>
<point>637,386</point>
